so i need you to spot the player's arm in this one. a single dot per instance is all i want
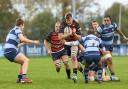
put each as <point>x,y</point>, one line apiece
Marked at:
<point>47,46</point>
<point>47,42</point>
<point>77,31</point>
<point>75,43</point>
<point>82,48</point>
<point>121,33</point>
<point>63,36</point>
<point>26,40</point>
<point>81,42</point>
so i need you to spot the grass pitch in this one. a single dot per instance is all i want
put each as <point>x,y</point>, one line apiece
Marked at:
<point>44,76</point>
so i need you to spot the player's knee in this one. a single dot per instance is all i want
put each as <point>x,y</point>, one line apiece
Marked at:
<point>74,57</point>
<point>58,65</point>
<point>109,62</point>
<point>65,63</point>
<point>26,60</point>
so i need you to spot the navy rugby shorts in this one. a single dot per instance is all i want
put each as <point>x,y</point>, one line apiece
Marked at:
<point>10,54</point>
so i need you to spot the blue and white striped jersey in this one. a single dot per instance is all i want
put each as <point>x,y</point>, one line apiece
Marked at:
<point>12,39</point>
<point>91,43</point>
<point>107,33</point>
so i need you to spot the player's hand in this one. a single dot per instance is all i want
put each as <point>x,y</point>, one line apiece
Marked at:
<point>49,51</point>
<point>74,30</point>
<point>36,42</point>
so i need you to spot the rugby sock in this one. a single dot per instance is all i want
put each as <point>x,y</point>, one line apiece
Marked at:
<point>23,76</point>
<point>112,73</point>
<point>86,70</point>
<point>57,70</point>
<point>19,76</point>
<point>68,71</point>
<point>81,69</point>
<point>75,71</point>
<point>99,74</point>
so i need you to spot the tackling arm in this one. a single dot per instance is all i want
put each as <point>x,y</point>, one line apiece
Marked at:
<point>47,45</point>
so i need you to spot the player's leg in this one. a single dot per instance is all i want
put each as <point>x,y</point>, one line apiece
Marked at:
<point>57,64</point>
<point>80,68</point>
<point>24,61</point>
<point>80,58</point>
<point>98,62</point>
<point>87,62</point>
<point>56,60</point>
<point>66,64</point>
<point>74,50</point>
<point>110,63</point>
<point>105,77</point>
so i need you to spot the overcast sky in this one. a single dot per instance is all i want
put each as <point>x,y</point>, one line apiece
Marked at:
<point>108,3</point>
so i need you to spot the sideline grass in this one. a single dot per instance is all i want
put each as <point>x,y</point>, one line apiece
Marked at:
<point>44,76</point>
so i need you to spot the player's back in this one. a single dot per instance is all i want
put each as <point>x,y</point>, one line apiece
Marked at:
<point>91,43</point>
<point>12,39</point>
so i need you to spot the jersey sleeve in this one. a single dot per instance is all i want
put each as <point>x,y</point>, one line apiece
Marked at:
<point>18,32</point>
<point>78,29</point>
<point>115,26</point>
<point>100,44</point>
<point>99,29</point>
<point>82,40</point>
<point>62,26</point>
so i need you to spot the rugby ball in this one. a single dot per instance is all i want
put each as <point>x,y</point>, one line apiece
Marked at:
<point>66,30</point>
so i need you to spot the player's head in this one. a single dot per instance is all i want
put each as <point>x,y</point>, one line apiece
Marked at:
<point>107,20</point>
<point>68,19</point>
<point>91,31</point>
<point>20,23</point>
<point>57,26</point>
<point>94,24</point>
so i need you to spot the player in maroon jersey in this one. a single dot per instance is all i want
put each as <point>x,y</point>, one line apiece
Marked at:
<point>55,47</point>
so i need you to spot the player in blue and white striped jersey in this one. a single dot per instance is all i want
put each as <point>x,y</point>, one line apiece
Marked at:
<point>91,45</point>
<point>12,53</point>
<point>106,32</point>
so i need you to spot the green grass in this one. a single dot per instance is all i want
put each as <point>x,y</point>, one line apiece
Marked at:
<point>44,76</point>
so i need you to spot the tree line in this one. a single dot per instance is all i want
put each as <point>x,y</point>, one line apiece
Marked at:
<point>43,22</point>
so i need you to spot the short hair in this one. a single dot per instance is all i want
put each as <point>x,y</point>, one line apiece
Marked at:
<point>107,16</point>
<point>94,21</point>
<point>68,15</point>
<point>91,31</point>
<point>19,22</point>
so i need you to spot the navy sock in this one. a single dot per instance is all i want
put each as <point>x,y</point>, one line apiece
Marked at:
<point>81,69</point>
<point>68,71</point>
<point>19,76</point>
<point>99,74</point>
<point>23,76</point>
<point>75,71</point>
<point>86,70</point>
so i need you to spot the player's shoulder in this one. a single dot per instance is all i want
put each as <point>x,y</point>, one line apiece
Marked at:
<point>102,26</point>
<point>114,24</point>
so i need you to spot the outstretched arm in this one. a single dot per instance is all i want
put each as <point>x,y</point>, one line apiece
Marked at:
<point>121,33</point>
<point>47,45</point>
<point>26,40</point>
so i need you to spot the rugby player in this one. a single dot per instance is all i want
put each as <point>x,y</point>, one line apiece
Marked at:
<point>73,35</point>
<point>15,39</point>
<point>57,50</point>
<point>106,32</point>
<point>91,45</point>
